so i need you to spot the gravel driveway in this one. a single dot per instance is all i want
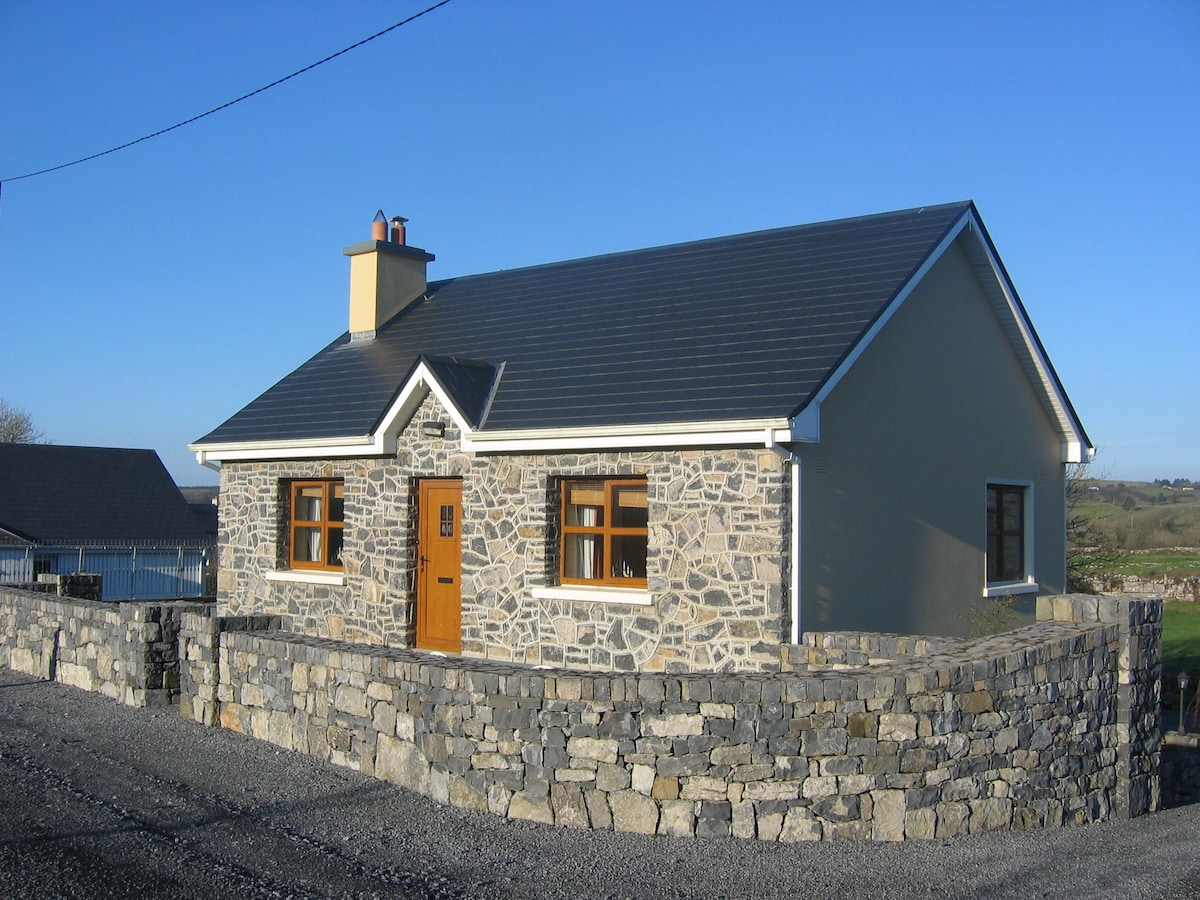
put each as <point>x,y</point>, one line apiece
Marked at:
<point>101,800</point>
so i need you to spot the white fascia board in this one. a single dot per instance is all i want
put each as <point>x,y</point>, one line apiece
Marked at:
<point>307,448</point>
<point>419,385</point>
<point>1075,446</point>
<point>16,539</point>
<point>884,317</point>
<point>1077,452</point>
<point>685,434</point>
<point>382,442</point>
<point>806,425</point>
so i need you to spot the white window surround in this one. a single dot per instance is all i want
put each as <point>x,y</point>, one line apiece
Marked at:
<point>295,575</point>
<point>636,596</point>
<point>1007,588</point>
<point>1026,585</point>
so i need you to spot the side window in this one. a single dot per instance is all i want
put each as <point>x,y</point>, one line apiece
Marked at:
<point>316,523</point>
<point>1009,549</point>
<point>604,532</point>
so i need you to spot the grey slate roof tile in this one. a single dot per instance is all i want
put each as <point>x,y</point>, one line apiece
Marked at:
<point>739,327</point>
<point>57,494</point>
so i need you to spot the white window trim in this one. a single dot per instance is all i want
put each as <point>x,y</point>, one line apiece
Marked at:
<point>1007,588</point>
<point>583,592</point>
<point>1026,585</point>
<point>297,576</point>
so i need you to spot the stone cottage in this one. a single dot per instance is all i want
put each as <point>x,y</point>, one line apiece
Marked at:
<point>672,459</point>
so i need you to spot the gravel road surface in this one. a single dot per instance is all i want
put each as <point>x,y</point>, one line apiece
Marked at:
<point>101,800</point>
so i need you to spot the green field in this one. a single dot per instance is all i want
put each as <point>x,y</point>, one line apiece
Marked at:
<point>1150,530</point>
<point>1139,515</point>
<point>1153,564</point>
<point>1181,648</point>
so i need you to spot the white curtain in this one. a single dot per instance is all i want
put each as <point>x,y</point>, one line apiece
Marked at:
<point>587,543</point>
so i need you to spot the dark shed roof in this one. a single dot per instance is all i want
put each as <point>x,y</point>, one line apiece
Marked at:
<point>52,494</point>
<point>731,328</point>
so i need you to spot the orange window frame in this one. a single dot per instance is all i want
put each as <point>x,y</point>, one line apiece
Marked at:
<point>613,494</point>
<point>326,526</point>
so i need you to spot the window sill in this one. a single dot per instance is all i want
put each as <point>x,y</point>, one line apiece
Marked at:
<point>635,596</point>
<point>295,575</point>
<point>1009,588</point>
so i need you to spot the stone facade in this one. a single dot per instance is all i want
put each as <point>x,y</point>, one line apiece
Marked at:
<point>715,571</point>
<point>126,651</point>
<point>1049,725</point>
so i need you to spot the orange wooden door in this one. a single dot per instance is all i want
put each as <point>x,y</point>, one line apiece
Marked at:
<point>439,565</point>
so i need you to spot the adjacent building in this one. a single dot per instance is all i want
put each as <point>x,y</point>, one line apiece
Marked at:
<point>100,510</point>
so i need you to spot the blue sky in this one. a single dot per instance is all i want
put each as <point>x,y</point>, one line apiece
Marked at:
<point>150,294</point>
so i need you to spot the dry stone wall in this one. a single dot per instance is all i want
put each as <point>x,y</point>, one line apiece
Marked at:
<point>1180,770</point>
<point>1052,724</point>
<point>126,651</point>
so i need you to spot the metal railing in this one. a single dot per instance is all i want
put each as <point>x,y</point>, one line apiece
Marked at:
<point>130,570</point>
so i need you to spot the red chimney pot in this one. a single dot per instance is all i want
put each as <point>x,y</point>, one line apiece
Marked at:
<point>398,232</point>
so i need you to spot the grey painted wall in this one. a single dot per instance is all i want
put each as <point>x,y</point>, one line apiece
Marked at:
<point>893,521</point>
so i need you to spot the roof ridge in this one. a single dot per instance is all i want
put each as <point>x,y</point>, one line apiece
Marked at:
<point>697,242</point>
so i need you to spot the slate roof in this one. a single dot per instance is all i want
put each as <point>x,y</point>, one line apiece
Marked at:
<point>52,494</point>
<point>731,328</point>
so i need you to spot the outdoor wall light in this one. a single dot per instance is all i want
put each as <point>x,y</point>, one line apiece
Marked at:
<point>433,429</point>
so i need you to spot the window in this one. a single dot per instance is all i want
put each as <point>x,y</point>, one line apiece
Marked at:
<point>604,532</point>
<point>318,513</point>
<point>1008,533</point>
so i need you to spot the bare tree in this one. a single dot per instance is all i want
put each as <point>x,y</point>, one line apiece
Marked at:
<point>1090,554</point>
<point>16,426</point>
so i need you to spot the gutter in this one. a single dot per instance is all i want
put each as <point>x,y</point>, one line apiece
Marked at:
<point>794,535</point>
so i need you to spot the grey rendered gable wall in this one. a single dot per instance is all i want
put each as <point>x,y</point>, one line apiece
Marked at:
<point>893,529</point>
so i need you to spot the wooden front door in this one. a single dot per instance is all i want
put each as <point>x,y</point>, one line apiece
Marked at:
<point>439,565</point>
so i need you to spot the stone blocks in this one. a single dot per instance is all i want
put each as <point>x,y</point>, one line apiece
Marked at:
<point>717,535</point>
<point>1049,725</point>
<point>127,651</point>
<point>950,739</point>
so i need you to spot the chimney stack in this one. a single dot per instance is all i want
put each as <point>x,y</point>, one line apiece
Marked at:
<point>385,276</point>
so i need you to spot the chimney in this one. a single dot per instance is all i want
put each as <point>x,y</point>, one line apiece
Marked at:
<point>385,276</point>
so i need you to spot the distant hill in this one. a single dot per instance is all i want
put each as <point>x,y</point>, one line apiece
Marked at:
<point>1139,515</point>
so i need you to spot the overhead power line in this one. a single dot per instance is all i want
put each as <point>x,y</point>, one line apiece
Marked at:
<point>217,109</point>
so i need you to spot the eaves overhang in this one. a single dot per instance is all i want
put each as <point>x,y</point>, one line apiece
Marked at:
<point>11,537</point>
<point>385,442</point>
<point>423,380</point>
<point>672,434</point>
